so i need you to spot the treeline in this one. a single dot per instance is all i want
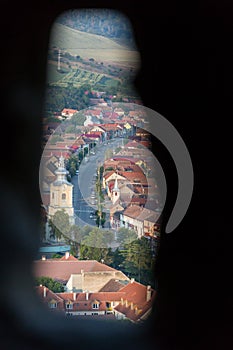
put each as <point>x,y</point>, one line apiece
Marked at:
<point>105,22</point>
<point>135,257</point>
<point>58,98</point>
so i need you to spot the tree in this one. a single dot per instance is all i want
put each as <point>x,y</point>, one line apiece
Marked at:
<point>70,129</point>
<point>51,284</point>
<point>138,261</point>
<point>95,246</point>
<point>59,224</point>
<point>126,236</point>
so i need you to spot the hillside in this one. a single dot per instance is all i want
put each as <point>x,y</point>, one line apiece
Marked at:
<point>105,22</point>
<point>88,45</point>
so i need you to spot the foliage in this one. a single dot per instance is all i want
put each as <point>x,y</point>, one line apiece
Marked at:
<point>94,246</point>
<point>105,23</point>
<point>56,256</point>
<point>78,119</point>
<point>60,224</point>
<point>70,129</point>
<point>51,284</point>
<point>138,260</point>
<point>72,164</point>
<point>126,236</point>
<point>55,138</point>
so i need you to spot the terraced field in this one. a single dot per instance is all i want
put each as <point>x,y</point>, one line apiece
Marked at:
<point>81,77</point>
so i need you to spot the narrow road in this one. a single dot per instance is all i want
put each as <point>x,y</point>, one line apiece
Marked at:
<point>84,184</point>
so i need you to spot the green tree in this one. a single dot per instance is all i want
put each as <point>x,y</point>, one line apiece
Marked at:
<point>138,261</point>
<point>70,129</point>
<point>59,224</point>
<point>51,284</point>
<point>78,119</point>
<point>94,245</point>
<point>126,236</point>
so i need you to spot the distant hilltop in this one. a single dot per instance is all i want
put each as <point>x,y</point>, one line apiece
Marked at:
<point>105,22</point>
<point>89,45</point>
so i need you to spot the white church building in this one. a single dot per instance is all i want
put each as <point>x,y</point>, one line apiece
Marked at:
<point>61,193</point>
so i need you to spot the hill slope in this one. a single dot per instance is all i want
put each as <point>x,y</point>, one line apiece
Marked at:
<point>88,45</point>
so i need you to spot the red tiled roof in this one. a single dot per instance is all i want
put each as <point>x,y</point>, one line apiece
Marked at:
<point>69,111</point>
<point>83,303</point>
<point>62,269</point>
<point>112,286</point>
<point>69,258</point>
<point>46,296</point>
<point>139,213</point>
<point>136,294</point>
<point>134,176</point>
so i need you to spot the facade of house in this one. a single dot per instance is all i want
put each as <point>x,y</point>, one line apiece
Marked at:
<point>139,219</point>
<point>132,301</point>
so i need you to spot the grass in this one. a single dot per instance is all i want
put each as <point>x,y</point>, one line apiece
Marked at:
<point>89,45</point>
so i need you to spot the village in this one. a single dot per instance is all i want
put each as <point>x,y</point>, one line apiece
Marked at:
<point>113,178</point>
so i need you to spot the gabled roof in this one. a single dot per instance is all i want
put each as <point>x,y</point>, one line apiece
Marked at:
<point>113,286</point>
<point>139,213</point>
<point>47,296</point>
<point>62,269</point>
<point>69,258</point>
<point>84,301</point>
<point>136,304</point>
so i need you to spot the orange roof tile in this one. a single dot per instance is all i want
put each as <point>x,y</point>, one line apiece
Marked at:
<point>62,269</point>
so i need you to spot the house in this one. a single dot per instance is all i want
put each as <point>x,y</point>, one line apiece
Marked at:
<point>68,112</point>
<point>138,219</point>
<point>136,304</point>
<point>50,299</point>
<point>116,300</point>
<point>77,275</point>
<point>119,111</point>
<point>90,304</point>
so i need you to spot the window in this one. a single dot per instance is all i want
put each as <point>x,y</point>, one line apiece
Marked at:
<point>53,195</point>
<point>52,305</point>
<point>63,196</point>
<point>69,306</point>
<point>95,305</point>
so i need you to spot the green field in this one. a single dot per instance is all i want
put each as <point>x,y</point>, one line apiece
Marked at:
<point>78,77</point>
<point>89,45</point>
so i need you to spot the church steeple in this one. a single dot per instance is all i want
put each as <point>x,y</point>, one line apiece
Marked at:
<point>115,188</point>
<point>61,192</point>
<point>61,171</point>
<point>115,191</point>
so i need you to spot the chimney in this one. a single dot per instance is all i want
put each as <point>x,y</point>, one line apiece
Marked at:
<point>43,257</point>
<point>87,295</point>
<point>122,301</point>
<point>126,303</point>
<point>67,254</point>
<point>45,291</point>
<point>74,295</point>
<point>148,293</point>
<point>132,280</point>
<point>131,305</point>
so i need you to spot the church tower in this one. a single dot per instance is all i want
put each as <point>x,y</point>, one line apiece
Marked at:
<point>115,192</point>
<point>61,193</point>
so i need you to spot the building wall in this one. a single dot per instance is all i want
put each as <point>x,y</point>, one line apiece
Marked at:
<point>132,223</point>
<point>93,281</point>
